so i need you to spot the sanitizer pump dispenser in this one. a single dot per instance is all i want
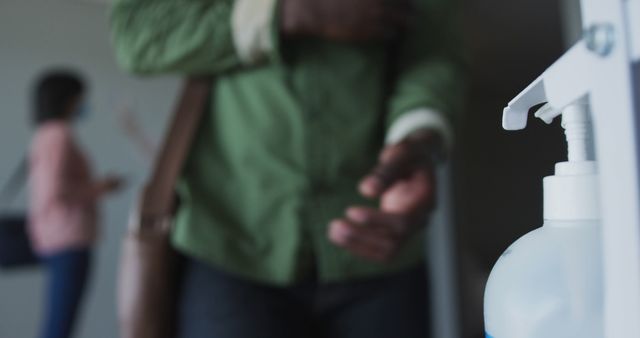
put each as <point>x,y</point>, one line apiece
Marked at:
<point>548,284</point>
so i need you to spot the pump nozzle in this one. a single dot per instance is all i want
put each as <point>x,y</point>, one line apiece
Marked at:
<point>572,193</point>
<point>576,122</point>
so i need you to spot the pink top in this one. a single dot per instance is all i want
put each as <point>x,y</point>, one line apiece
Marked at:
<point>63,205</point>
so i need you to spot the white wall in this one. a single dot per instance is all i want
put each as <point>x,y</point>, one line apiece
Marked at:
<point>37,34</point>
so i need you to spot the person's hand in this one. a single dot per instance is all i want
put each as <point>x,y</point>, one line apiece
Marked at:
<point>344,20</point>
<point>111,184</point>
<point>404,181</point>
<point>130,125</point>
<point>128,121</point>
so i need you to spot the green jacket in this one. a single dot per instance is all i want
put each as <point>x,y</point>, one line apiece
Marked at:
<point>292,126</point>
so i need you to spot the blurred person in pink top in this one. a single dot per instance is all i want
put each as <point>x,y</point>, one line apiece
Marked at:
<point>64,196</point>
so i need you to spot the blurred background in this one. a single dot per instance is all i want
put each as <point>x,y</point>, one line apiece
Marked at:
<point>496,175</point>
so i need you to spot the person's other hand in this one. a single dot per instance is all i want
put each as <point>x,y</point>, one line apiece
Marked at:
<point>404,181</point>
<point>128,121</point>
<point>344,20</point>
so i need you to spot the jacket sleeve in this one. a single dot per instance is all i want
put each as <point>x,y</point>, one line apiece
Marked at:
<point>428,90</point>
<point>191,36</point>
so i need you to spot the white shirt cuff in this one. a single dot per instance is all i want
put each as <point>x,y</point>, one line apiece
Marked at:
<point>251,22</point>
<point>419,119</point>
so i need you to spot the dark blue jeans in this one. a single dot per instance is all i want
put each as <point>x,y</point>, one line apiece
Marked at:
<point>214,304</point>
<point>67,274</point>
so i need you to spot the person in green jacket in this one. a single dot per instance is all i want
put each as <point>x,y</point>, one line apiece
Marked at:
<point>310,181</point>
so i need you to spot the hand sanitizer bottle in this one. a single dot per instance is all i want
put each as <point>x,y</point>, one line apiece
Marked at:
<point>548,284</point>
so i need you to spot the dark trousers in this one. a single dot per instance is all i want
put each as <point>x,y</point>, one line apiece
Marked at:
<point>214,304</point>
<point>67,274</point>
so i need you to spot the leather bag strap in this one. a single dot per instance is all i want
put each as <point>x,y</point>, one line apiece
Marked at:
<point>158,196</point>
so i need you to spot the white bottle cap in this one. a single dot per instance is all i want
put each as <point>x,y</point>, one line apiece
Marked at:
<point>572,193</point>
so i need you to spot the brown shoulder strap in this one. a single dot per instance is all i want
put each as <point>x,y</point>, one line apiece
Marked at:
<point>158,195</point>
